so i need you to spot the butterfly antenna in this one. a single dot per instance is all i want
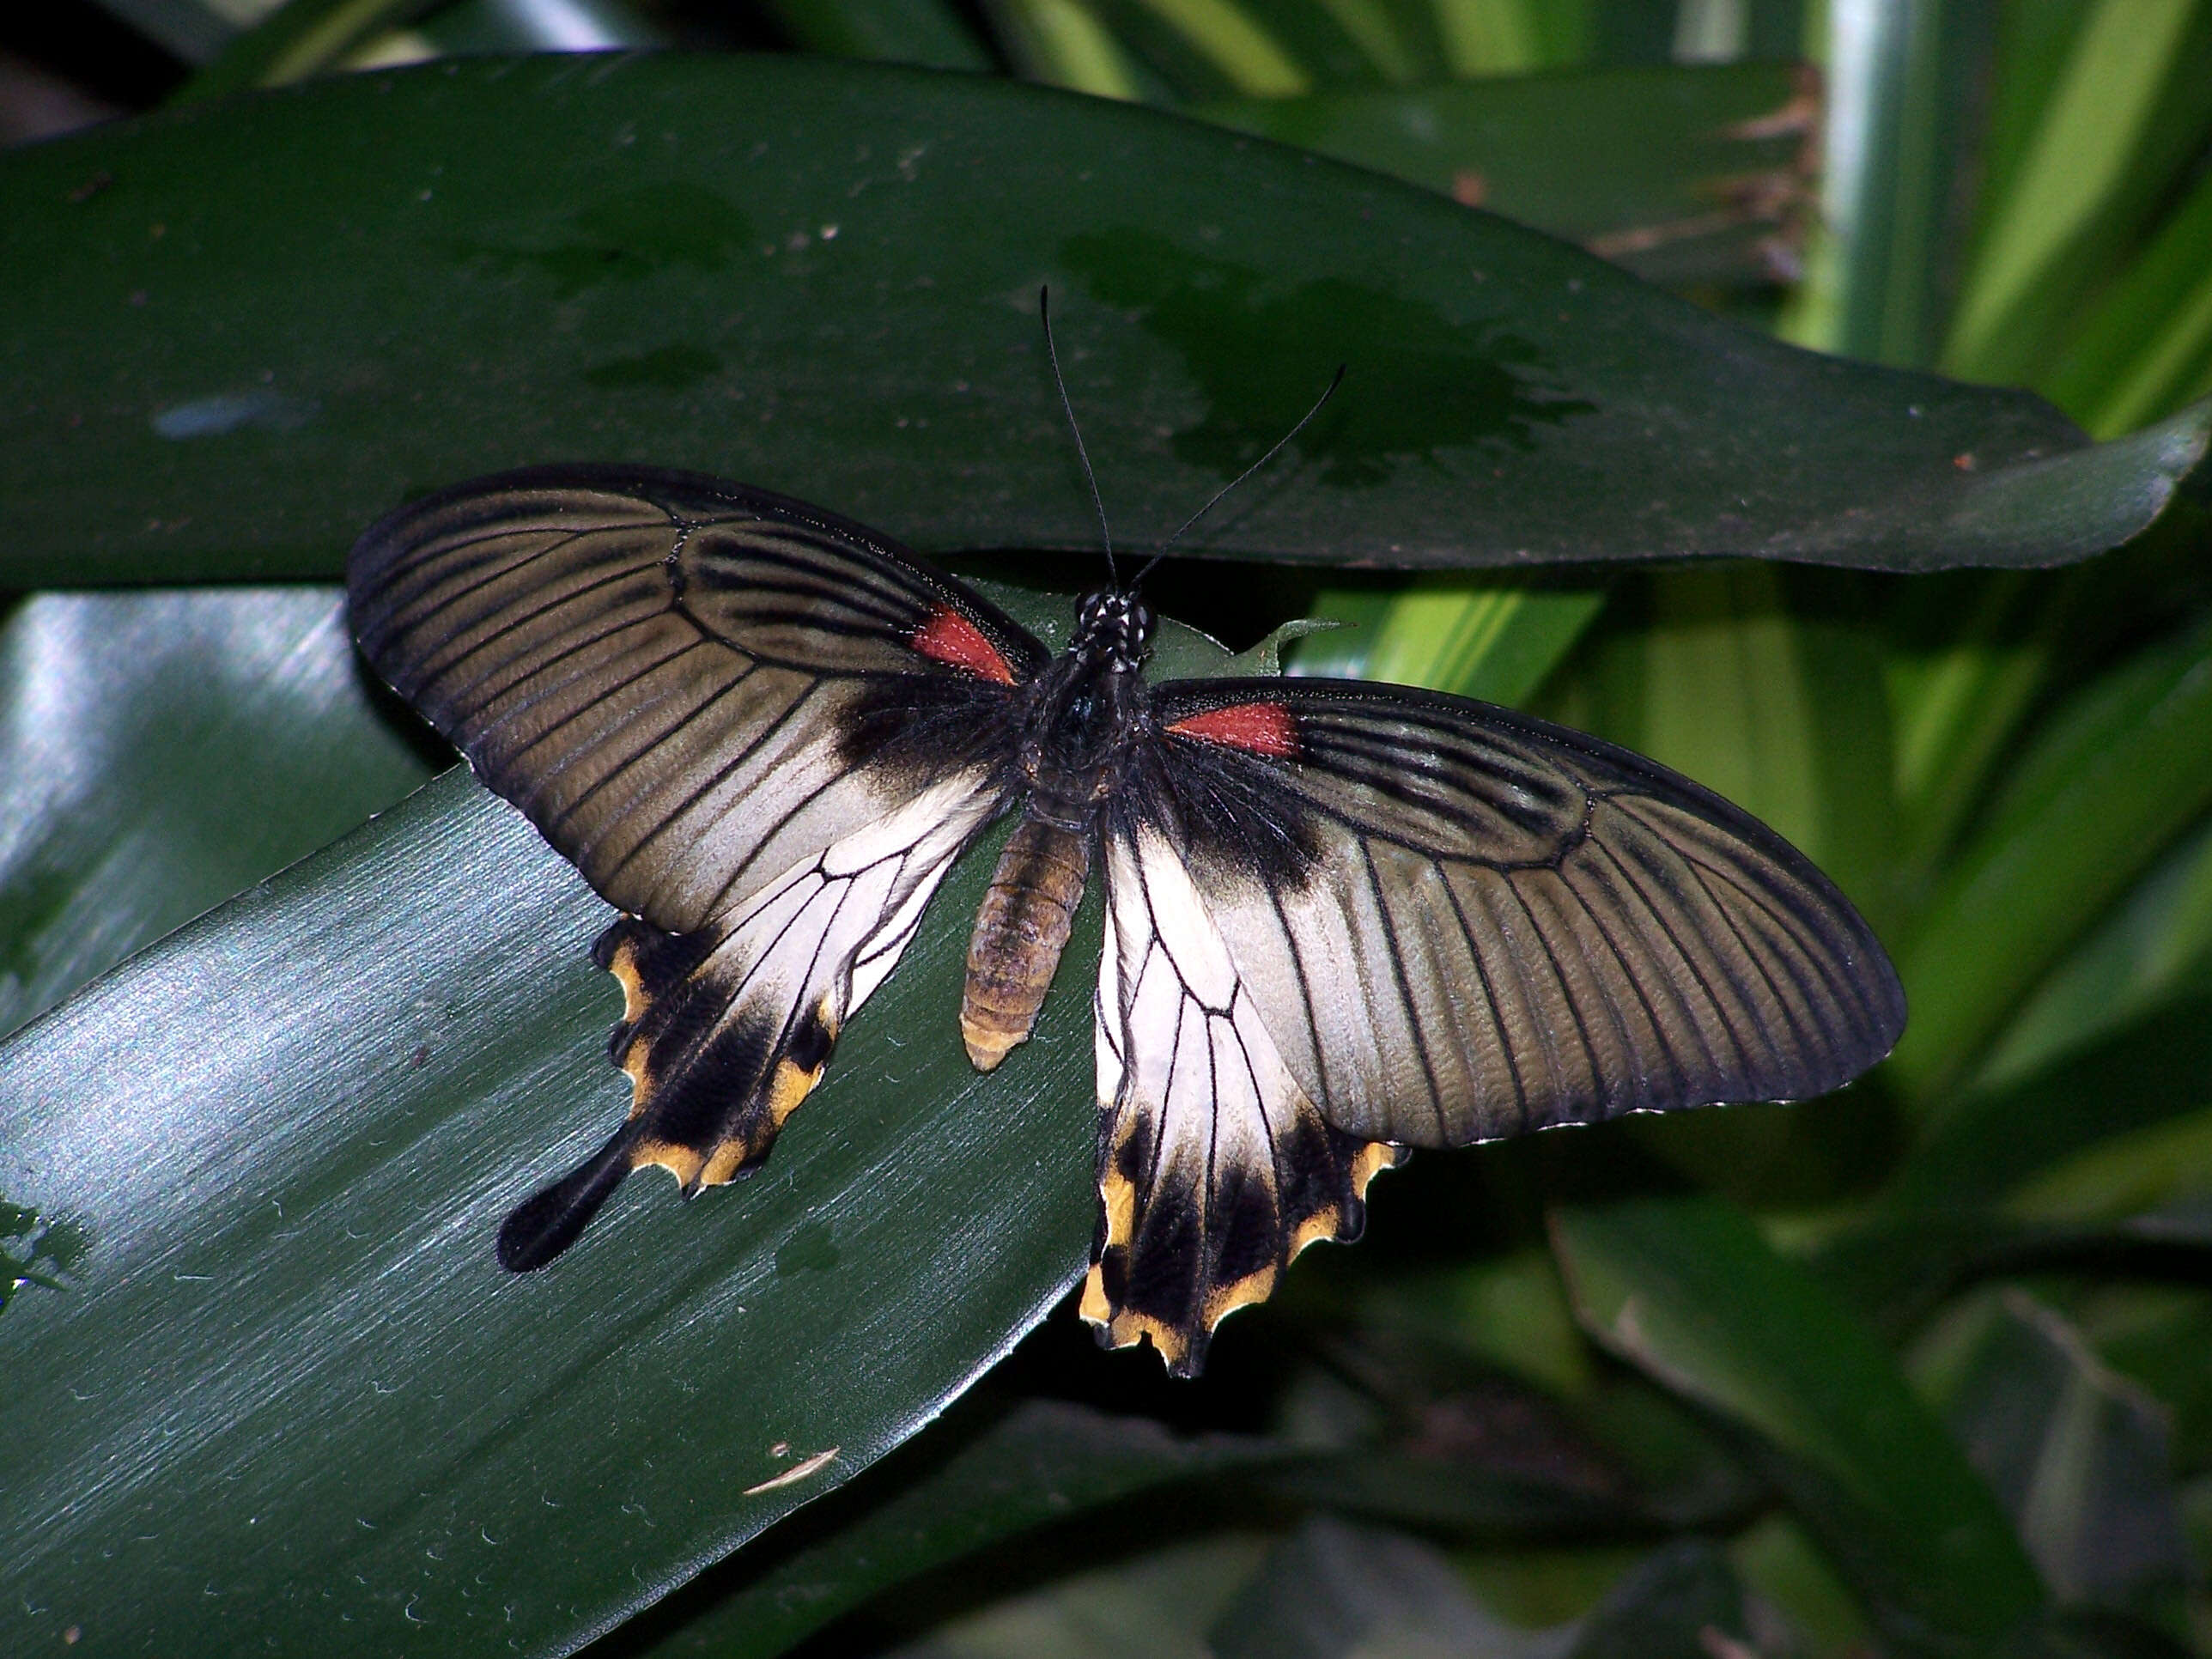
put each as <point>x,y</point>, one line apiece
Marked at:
<point>1274,449</point>
<point>1105,536</point>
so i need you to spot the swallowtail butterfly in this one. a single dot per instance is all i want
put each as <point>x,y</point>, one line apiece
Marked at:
<point>1342,918</point>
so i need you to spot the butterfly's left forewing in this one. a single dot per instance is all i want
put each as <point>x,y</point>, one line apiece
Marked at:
<point>1346,918</point>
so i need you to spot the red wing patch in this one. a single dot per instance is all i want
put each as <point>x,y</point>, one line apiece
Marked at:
<point>949,638</point>
<point>1259,728</point>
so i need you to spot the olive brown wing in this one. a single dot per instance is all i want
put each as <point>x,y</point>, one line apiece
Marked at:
<point>763,732</point>
<point>1458,922</point>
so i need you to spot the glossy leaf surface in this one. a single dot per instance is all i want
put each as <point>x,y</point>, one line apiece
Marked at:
<point>163,752</point>
<point>288,1134</point>
<point>1682,173</point>
<point>250,326</point>
<point>1040,1461</point>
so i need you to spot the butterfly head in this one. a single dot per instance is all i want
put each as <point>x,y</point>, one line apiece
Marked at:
<point>1113,627</point>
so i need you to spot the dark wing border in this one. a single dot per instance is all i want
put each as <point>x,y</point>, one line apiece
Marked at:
<point>689,498</point>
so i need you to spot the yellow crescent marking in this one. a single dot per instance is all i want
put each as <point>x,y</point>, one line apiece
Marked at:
<point>723,1162</point>
<point>1095,1308</point>
<point>787,1088</point>
<point>1225,1301</point>
<point>796,1473</point>
<point>634,1001</point>
<point>681,1162</point>
<point>1128,1329</point>
<point>640,1082</point>
<point>1117,1195</point>
<point>1373,1159</point>
<point>1322,1223</point>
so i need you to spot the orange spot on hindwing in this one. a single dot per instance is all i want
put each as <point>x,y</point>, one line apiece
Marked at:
<point>949,638</point>
<point>1259,728</point>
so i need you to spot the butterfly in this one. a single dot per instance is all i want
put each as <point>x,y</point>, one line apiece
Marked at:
<point>1342,918</point>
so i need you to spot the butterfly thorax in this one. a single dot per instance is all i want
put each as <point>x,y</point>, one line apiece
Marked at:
<point>1083,713</point>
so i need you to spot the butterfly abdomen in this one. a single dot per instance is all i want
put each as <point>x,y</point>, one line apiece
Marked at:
<point>1020,931</point>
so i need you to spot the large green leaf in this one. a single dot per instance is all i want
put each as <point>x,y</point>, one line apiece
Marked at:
<point>291,1393</point>
<point>245,328</point>
<point>1039,1462</point>
<point>164,750</point>
<point>288,1391</point>
<point>1680,172</point>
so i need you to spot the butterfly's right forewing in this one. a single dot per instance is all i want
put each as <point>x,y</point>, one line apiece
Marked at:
<point>763,732</point>
<point>687,687</point>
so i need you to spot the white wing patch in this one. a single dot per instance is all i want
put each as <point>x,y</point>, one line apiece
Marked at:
<point>1215,1169</point>
<point>722,1045</point>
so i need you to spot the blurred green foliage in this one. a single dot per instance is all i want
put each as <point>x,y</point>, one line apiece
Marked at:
<point>1922,1369</point>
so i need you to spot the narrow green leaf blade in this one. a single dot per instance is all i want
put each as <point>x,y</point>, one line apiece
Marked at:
<point>1686,1290</point>
<point>2147,345</point>
<point>2152,1072</point>
<point>2078,1455</point>
<point>2120,774</point>
<point>926,32</point>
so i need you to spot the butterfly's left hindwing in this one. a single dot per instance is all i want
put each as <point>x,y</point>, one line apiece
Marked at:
<point>1215,1166</point>
<point>763,732</point>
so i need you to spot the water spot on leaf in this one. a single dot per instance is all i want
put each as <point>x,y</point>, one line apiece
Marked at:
<point>809,1249</point>
<point>672,368</point>
<point>1261,349</point>
<point>624,238</point>
<point>234,412</point>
